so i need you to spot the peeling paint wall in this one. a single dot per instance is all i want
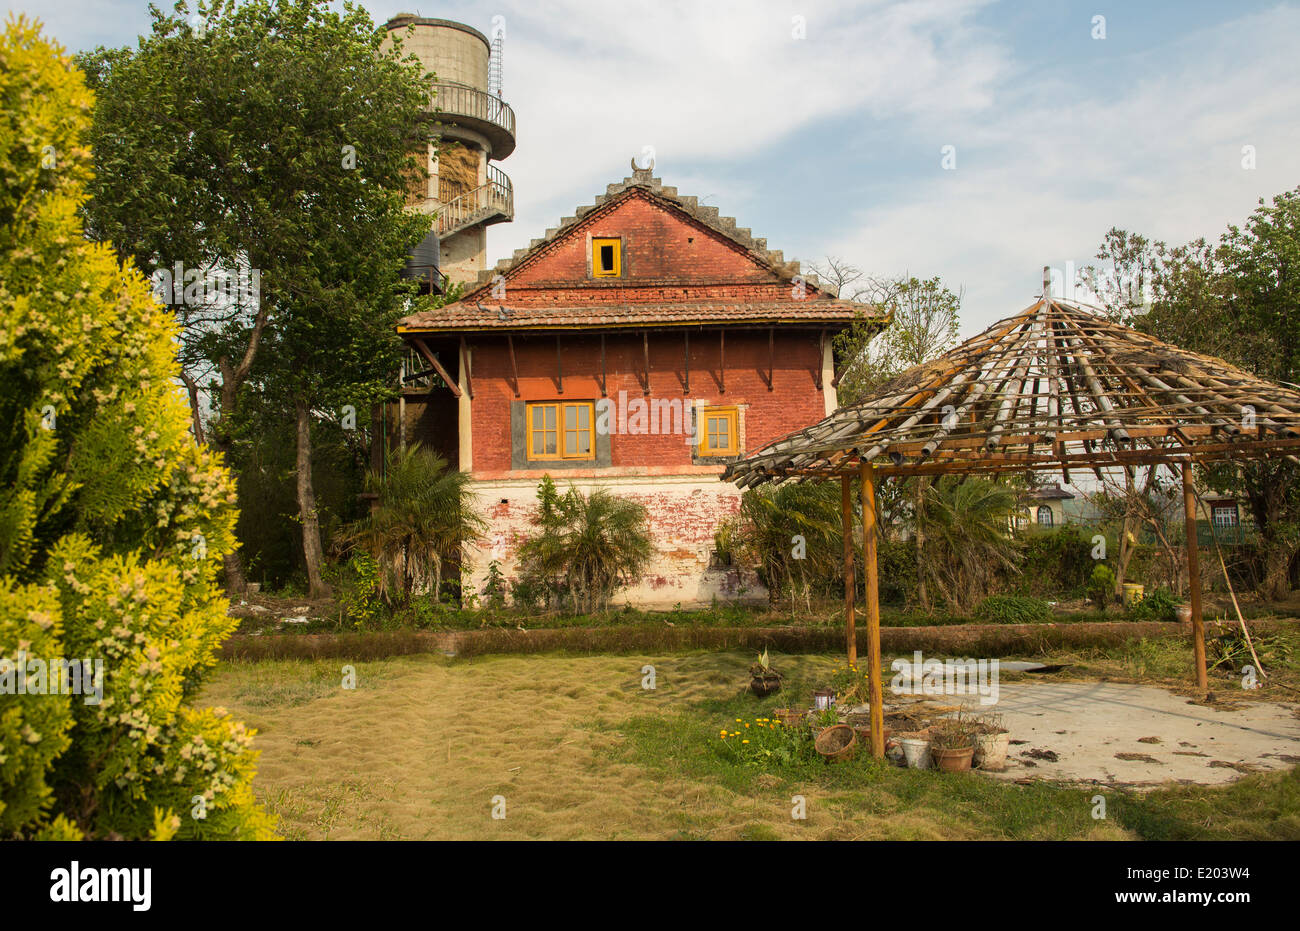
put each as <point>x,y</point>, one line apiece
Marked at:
<point>684,512</point>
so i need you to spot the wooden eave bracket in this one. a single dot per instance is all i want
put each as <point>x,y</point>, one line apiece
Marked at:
<point>437,366</point>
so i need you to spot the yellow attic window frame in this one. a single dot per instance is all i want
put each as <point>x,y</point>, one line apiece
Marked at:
<point>606,258</point>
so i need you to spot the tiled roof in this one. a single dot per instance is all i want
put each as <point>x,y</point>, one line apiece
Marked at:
<point>466,315</point>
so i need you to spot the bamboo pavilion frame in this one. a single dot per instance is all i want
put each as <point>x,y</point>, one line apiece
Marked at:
<point>1053,387</point>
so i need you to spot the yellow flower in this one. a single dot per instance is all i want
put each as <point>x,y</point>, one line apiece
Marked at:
<point>744,741</point>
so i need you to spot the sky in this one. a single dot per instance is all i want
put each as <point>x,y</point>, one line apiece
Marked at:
<point>824,127</point>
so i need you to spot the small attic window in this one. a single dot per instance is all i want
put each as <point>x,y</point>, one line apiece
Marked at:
<point>606,258</point>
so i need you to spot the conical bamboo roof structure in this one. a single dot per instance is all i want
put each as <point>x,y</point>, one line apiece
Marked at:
<point>1054,387</point>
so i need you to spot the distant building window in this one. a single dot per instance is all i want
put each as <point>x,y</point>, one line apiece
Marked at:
<point>719,431</point>
<point>561,430</point>
<point>1045,518</point>
<point>606,258</point>
<point>1225,515</point>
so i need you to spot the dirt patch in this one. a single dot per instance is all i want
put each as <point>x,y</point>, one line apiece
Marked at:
<point>1138,758</point>
<point>1103,721</point>
<point>1239,767</point>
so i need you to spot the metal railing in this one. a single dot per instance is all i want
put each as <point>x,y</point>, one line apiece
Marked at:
<point>497,196</point>
<point>470,101</point>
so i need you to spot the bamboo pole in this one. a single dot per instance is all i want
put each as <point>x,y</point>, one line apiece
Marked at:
<point>846,514</point>
<point>1227,580</point>
<point>868,478</point>
<point>1194,581</point>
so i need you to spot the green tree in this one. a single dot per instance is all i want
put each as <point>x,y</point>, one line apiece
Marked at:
<point>924,321</point>
<point>587,545</point>
<point>966,523</point>
<point>424,515</point>
<point>792,534</point>
<point>283,145</point>
<point>112,517</point>
<point>1236,299</point>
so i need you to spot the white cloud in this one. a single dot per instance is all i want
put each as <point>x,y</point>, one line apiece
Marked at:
<point>1049,156</point>
<point>594,83</point>
<point>1044,180</point>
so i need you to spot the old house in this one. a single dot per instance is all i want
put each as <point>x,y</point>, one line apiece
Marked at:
<point>640,346</point>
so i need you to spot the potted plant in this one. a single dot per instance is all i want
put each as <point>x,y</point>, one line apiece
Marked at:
<point>764,680</point>
<point>991,743</point>
<point>952,744</point>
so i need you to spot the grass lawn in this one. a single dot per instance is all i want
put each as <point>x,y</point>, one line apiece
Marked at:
<point>580,750</point>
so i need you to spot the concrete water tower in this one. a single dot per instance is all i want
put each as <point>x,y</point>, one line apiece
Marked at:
<point>476,127</point>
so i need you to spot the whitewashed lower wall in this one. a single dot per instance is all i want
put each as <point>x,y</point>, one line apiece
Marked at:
<point>684,513</point>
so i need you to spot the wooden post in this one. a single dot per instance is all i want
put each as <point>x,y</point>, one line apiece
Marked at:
<point>868,477</point>
<point>846,513</point>
<point>514,366</point>
<point>1194,582</point>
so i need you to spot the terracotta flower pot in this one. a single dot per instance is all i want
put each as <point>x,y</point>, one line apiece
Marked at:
<point>864,733</point>
<point>791,717</point>
<point>953,761</point>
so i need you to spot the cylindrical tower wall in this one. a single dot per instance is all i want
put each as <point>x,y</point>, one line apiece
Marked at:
<point>454,52</point>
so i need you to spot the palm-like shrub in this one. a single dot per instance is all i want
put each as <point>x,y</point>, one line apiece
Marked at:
<point>113,520</point>
<point>424,516</point>
<point>792,535</point>
<point>967,542</point>
<point>587,546</point>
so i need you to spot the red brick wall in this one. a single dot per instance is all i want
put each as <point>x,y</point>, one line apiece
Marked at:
<point>794,402</point>
<point>666,257</point>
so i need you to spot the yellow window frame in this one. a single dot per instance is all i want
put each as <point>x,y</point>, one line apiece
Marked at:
<point>560,433</point>
<point>597,271</point>
<point>707,445</point>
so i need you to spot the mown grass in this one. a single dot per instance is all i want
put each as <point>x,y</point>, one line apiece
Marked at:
<point>581,751</point>
<point>1260,807</point>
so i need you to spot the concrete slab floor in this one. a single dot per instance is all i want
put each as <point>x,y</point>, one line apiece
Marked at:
<point>1137,735</point>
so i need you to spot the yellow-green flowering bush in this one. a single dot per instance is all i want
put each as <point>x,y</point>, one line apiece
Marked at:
<point>113,520</point>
